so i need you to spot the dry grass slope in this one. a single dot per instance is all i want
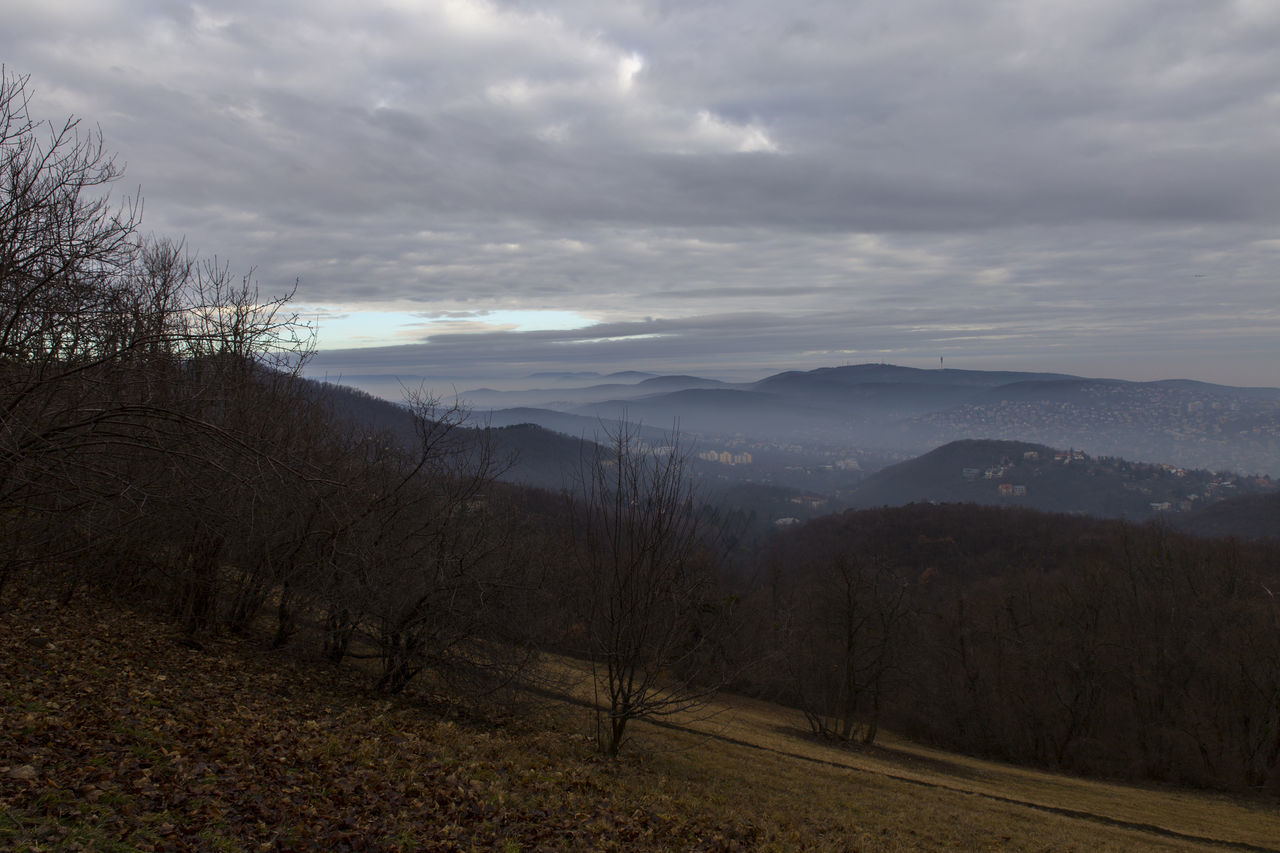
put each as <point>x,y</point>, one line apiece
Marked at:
<point>115,736</point>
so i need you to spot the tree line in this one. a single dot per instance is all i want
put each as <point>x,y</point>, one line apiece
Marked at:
<point>1098,647</point>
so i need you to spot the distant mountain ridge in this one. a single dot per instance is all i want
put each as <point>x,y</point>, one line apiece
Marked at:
<point>911,410</point>
<point>859,374</point>
<point>545,448</point>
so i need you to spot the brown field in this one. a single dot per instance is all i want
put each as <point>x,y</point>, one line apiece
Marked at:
<point>114,735</point>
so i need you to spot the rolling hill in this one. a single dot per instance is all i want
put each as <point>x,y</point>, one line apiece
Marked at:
<point>1012,473</point>
<point>910,411</point>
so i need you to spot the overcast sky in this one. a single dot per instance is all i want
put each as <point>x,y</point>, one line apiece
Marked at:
<point>472,189</point>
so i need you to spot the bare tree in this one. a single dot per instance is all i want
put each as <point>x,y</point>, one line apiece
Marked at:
<point>418,569</point>
<point>647,582</point>
<point>843,643</point>
<point>125,366</point>
<point>61,295</point>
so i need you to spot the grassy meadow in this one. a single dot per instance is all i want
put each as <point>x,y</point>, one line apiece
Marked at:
<point>116,734</point>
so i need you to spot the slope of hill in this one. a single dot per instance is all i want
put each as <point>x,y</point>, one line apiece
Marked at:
<point>697,409</point>
<point>626,386</point>
<point>523,451</point>
<point>591,375</point>
<point>858,374</point>
<point>116,736</point>
<point>866,401</point>
<point>953,473</point>
<point>1016,473</point>
<point>575,426</point>
<point>1245,517</point>
<point>534,456</point>
<point>1193,425</point>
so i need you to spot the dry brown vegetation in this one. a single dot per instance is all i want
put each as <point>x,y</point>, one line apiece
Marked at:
<point>115,734</point>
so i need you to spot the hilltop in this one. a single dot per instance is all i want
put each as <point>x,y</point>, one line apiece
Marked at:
<point>1014,473</point>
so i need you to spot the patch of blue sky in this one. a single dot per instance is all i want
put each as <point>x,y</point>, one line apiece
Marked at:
<point>338,329</point>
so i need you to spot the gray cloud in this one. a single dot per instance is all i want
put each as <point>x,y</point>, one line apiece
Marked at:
<point>1062,186</point>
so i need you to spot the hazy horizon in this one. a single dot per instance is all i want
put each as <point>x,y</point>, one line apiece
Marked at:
<point>478,188</point>
<point>391,385</point>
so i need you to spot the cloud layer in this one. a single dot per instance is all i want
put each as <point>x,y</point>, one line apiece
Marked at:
<point>1085,187</point>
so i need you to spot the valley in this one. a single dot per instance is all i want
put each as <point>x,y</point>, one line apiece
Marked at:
<point>797,445</point>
